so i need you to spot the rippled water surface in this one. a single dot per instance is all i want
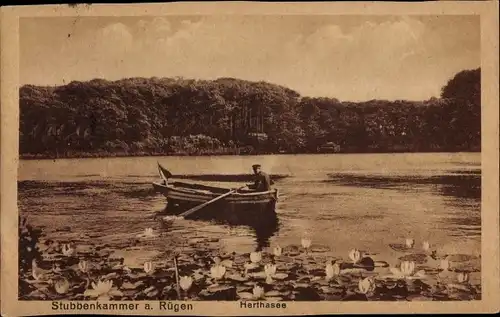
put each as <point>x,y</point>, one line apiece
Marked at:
<point>343,201</point>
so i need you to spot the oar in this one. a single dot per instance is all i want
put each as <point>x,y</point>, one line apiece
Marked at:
<point>195,209</point>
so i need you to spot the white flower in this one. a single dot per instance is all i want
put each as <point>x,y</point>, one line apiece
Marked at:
<point>102,290</point>
<point>277,250</point>
<point>185,282</point>
<point>258,292</point>
<point>355,255</point>
<point>67,250</point>
<point>83,266</point>
<point>444,265</point>
<point>426,246</point>
<point>463,277</point>
<point>366,285</point>
<point>61,286</point>
<point>332,270</point>
<point>407,267</point>
<point>410,243</point>
<point>270,269</point>
<point>148,233</point>
<point>306,243</point>
<point>255,257</point>
<point>269,279</point>
<point>217,271</point>
<point>407,271</point>
<point>217,260</point>
<point>149,267</point>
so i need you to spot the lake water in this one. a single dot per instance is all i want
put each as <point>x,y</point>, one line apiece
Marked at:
<point>343,201</point>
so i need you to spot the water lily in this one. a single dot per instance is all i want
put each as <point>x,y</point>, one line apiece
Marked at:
<point>38,273</point>
<point>258,292</point>
<point>217,260</point>
<point>332,270</point>
<point>67,250</point>
<point>277,251</point>
<point>444,265</point>
<point>270,269</point>
<point>269,279</point>
<point>103,290</point>
<point>409,243</point>
<point>255,257</point>
<point>463,277</point>
<point>407,267</point>
<point>83,266</point>
<point>61,286</point>
<point>426,246</point>
<point>149,267</point>
<point>185,282</point>
<point>355,255</point>
<point>306,243</point>
<point>217,271</point>
<point>407,271</point>
<point>148,233</point>
<point>366,285</point>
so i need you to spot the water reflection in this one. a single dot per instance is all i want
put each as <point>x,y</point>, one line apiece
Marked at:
<point>262,220</point>
<point>456,184</point>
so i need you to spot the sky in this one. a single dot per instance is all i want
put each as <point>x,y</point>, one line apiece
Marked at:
<point>352,58</point>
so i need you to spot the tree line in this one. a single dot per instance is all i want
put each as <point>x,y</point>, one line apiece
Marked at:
<point>177,116</point>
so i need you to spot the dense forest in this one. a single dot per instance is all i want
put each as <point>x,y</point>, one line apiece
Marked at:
<point>177,116</point>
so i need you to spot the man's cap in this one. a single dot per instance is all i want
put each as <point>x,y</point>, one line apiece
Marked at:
<point>255,166</point>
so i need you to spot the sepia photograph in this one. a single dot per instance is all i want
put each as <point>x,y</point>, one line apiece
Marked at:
<point>263,159</point>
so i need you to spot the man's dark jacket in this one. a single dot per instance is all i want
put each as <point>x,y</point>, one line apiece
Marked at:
<point>262,182</point>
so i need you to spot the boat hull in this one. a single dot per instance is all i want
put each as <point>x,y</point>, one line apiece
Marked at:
<point>193,194</point>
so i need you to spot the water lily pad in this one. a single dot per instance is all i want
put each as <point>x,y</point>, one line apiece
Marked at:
<point>418,258</point>
<point>280,276</point>
<point>272,293</point>
<point>221,292</point>
<point>245,295</point>
<point>237,278</point>
<point>129,286</point>
<point>356,271</point>
<point>399,247</point>
<point>301,285</point>
<point>110,276</point>
<point>258,275</point>
<point>251,266</point>
<point>461,257</point>
<point>227,263</point>
<point>273,298</point>
<point>322,282</point>
<point>381,264</point>
<point>319,248</point>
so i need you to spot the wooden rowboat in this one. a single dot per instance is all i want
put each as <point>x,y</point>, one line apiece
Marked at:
<point>192,194</point>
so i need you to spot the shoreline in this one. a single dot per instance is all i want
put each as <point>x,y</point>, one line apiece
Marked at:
<point>28,157</point>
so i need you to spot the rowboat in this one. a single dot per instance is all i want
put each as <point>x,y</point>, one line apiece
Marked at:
<point>185,195</point>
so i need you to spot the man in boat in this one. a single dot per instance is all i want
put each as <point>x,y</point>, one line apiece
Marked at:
<point>262,180</point>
